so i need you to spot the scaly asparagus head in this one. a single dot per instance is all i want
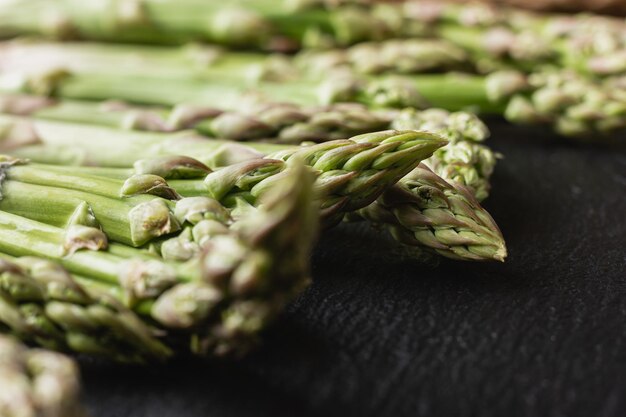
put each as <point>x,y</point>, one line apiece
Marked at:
<point>36,382</point>
<point>257,270</point>
<point>463,161</point>
<point>576,105</point>
<point>424,210</point>
<point>351,173</point>
<point>40,302</point>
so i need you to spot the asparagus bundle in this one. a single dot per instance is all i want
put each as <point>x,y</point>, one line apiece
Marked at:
<point>36,382</point>
<point>122,148</point>
<point>575,105</point>
<point>132,306</point>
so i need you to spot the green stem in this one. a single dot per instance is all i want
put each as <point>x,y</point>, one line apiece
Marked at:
<point>23,237</point>
<point>27,200</point>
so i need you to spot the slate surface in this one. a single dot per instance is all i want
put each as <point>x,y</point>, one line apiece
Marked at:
<point>543,334</point>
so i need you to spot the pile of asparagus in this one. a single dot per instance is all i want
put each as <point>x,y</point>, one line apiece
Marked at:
<point>164,199</point>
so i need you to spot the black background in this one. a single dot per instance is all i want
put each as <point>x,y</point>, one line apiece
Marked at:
<point>378,334</point>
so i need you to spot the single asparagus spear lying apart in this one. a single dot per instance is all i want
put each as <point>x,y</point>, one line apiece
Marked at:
<point>353,173</point>
<point>101,297</point>
<point>36,382</point>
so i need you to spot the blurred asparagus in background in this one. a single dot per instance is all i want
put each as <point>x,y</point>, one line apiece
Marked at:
<point>36,382</point>
<point>616,7</point>
<point>496,37</point>
<point>266,24</point>
<point>575,105</point>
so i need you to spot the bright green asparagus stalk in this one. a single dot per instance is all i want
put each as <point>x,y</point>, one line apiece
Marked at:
<point>244,176</point>
<point>352,173</point>
<point>214,304</point>
<point>37,382</point>
<point>125,210</point>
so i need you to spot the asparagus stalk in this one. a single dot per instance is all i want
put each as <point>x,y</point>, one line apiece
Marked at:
<point>84,202</point>
<point>403,56</point>
<point>37,382</point>
<point>353,173</point>
<point>216,153</point>
<point>229,293</point>
<point>97,72</point>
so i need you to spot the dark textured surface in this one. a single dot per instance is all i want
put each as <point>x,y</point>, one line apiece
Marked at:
<point>542,335</point>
